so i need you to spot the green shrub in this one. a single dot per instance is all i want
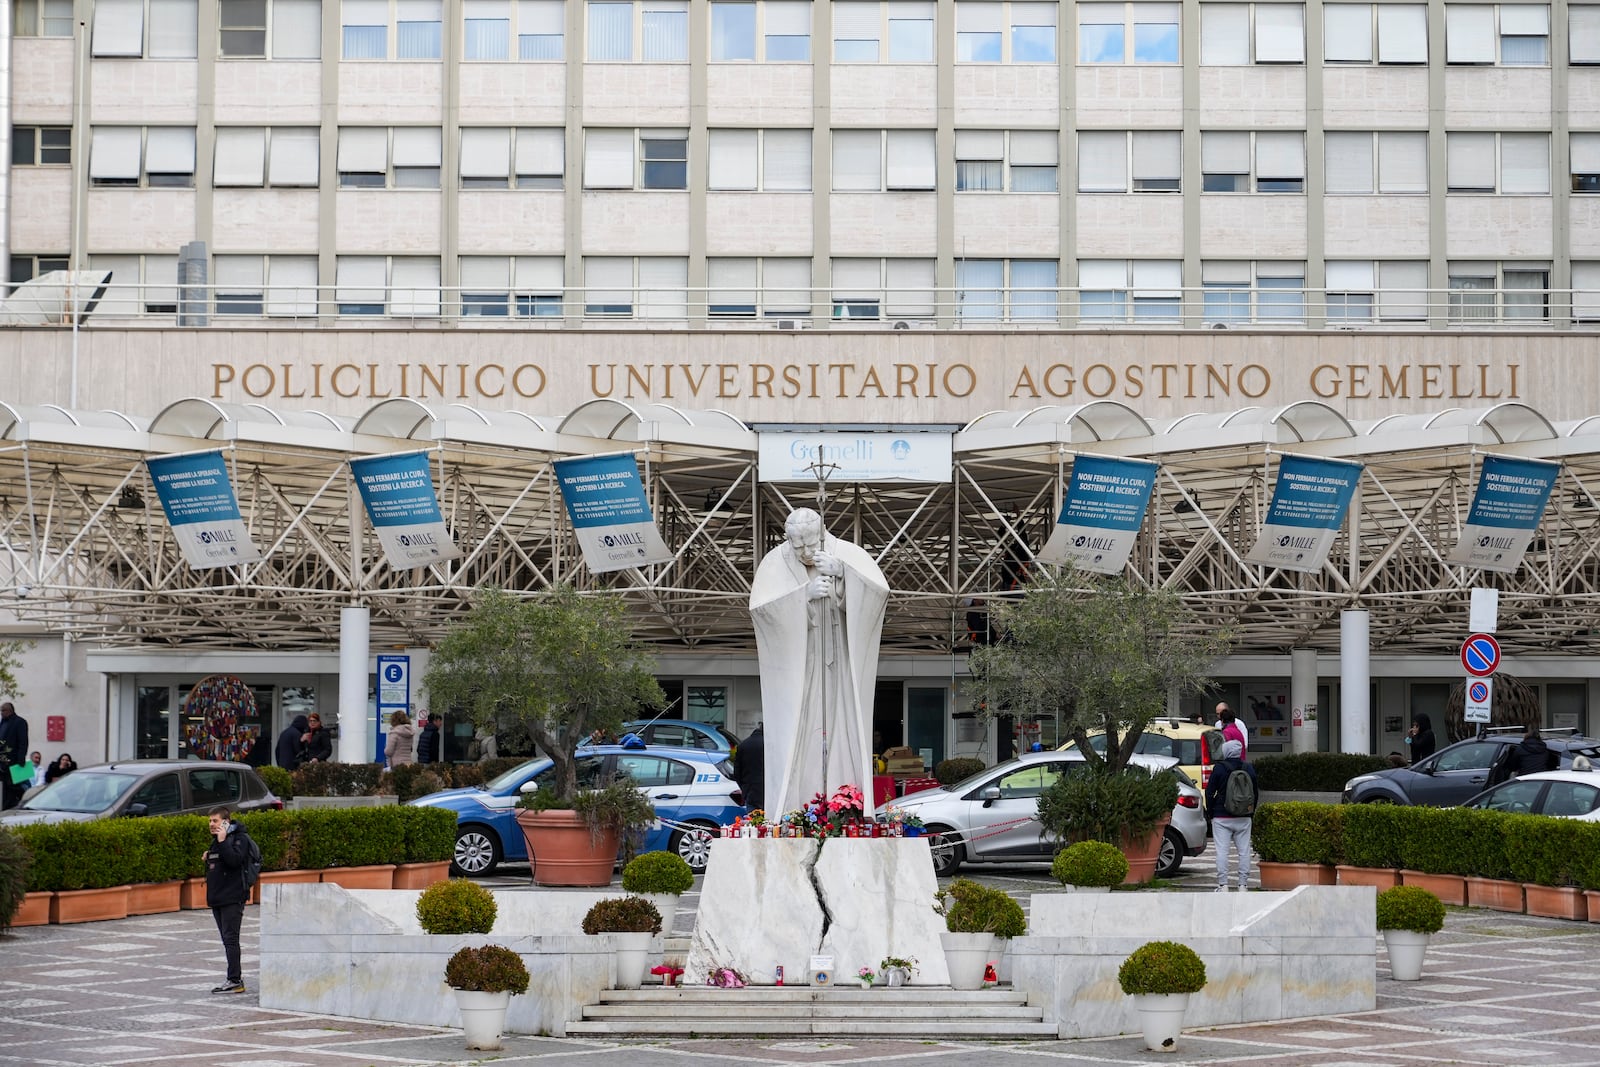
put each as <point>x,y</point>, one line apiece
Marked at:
<point>1481,852</point>
<point>337,780</point>
<point>430,834</point>
<point>622,915</point>
<point>1428,839</point>
<point>271,831</point>
<point>1372,835</point>
<point>1159,967</point>
<point>950,771</point>
<point>487,969</point>
<point>1589,857</point>
<point>1314,772</point>
<point>658,872</point>
<point>1090,863</point>
<point>1409,907</point>
<point>15,859</point>
<point>411,780</point>
<point>457,906</point>
<point>970,908</point>
<point>1298,832</point>
<point>280,781</point>
<point>1546,850</point>
<point>1106,807</point>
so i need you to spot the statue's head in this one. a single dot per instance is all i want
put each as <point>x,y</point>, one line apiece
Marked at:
<point>804,528</point>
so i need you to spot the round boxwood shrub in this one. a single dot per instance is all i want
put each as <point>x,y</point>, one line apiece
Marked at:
<point>622,915</point>
<point>658,872</point>
<point>456,906</point>
<point>15,860</point>
<point>280,781</point>
<point>1162,967</point>
<point>950,771</point>
<point>970,908</point>
<point>487,969</point>
<point>1090,863</point>
<point>1410,907</point>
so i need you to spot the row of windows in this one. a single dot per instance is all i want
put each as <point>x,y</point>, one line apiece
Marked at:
<point>1231,292</point>
<point>780,160</point>
<point>863,31</point>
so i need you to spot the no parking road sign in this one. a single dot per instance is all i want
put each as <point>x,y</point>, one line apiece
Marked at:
<point>1480,655</point>
<point>1477,704</point>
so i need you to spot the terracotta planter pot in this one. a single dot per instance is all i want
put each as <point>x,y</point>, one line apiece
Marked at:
<point>89,905</point>
<point>374,876</point>
<point>1289,875</point>
<point>562,852</point>
<point>1449,888</point>
<point>35,910</point>
<point>154,898</point>
<point>1380,877</point>
<point>192,897</point>
<point>420,875</point>
<point>1556,902</point>
<point>1493,893</point>
<point>1590,896</point>
<point>283,878</point>
<point>1143,852</point>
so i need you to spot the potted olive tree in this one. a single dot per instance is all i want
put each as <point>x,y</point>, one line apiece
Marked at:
<point>1090,866</point>
<point>661,878</point>
<point>631,921</point>
<point>974,915</point>
<point>1409,916</point>
<point>485,979</point>
<point>1160,976</point>
<point>555,666</point>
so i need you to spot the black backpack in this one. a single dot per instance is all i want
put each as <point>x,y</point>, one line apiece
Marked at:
<point>1239,794</point>
<point>252,861</point>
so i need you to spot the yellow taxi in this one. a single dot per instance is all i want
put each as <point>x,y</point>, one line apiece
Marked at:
<point>1169,737</point>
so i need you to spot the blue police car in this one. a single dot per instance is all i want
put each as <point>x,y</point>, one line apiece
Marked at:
<point>689,787</point>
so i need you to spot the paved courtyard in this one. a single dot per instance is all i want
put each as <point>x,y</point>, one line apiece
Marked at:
<point>1499,989</point>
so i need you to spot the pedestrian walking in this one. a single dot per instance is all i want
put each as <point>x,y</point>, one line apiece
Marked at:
<point>1232,795</point>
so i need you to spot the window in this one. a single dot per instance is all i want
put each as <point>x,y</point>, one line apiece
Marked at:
<point>997,290</point>
<point>501,286</point>
<point>397,286</point>
<point>1244,292</point>
<point>1511,35</point>
<point>1375,162</point>
<point>786,31</point>
<point>656,31</point>
<point>1363,291</point>
<point>1510,163</point>
<point>251,156</point>
<point>663,159</point>
<point>643,288</point>
<point>162,795</point>
<point>1236,35</point>
<point>376,157</point>
<point>1106,159</point>
<point>281,29</point>
<point>1585,290</point>
<point>1021,161</point>
<point>982,37</point>
<point>42,18</point>
<point>530,30</point>
<point>635,159</point>
<point>770,160</point>
<point>280,286</point>
<point>1583,23</point>
<point>1143,290</point>
<point>213,787</point>
<point>1585,162</point>
<point>872,289</point>
<point>1381,33</point>
<point>41,146</point>
<point>874,160</point>
<point>418,33</point>
<point>140,285</point>
<point>733,32</point>
<point>744,288</point>
<point>898,31</point>
<point>160,156</point>
<point>152,29</point>
<point>25,268</point>
<point>1128,33</point>
<point>1499,292</point>
<point>1571,799</point>
<point>1279,158</point>
<point>501,158</point>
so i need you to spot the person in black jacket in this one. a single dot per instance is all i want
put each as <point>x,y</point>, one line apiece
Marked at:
<point>1420,738</point>
<point>287,753</point>
<point>1231,830</point>
<point>751,774</point>
<point>62,767</point>
<point>13,753</point>
<point>316,745</point>
<point>1532,755</point>
<point>226,893</point>
<point>428,739</point>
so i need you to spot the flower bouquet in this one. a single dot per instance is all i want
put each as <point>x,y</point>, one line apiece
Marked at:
<point>727,978</point>
<point>867,976</point>
<point>668,972</point>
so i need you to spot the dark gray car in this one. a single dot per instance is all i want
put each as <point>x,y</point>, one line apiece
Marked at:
<point>1457,773</point>
<point>144,787</point>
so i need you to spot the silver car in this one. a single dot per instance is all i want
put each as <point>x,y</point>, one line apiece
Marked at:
<point>993,817</point>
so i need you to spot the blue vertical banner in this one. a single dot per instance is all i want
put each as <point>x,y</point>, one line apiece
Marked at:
<point>197,495</point>
<point>1101,515</point>
<point>1506,510</point>
<point>398,492</point>
<point>610,513</point>
<point>1308,506</point>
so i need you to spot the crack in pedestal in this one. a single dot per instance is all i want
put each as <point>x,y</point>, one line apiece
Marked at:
<point>816,887</point>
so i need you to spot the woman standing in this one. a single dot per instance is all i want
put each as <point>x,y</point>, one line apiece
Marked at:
<point>400,746</point>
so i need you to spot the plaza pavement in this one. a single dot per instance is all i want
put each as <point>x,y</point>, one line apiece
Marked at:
<point>1498,989</point>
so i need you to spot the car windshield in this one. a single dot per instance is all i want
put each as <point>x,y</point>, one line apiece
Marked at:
<point>510,778</point>
<point>85,791</point>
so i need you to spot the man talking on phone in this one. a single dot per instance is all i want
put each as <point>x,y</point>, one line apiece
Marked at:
<point>226,892</point>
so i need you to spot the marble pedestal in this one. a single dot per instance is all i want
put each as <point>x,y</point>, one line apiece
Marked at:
<point>779,901</point>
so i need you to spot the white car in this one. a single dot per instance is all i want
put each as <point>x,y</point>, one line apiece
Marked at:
<point>993,817</point>
<point>1566,794</point>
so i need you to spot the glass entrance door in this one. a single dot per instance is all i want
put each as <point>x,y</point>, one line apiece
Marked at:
<point>926,708</point>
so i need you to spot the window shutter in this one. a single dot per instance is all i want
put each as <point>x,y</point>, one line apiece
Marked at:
<point>786,160</point>
<point>485,274</point>
<point>364,13</point>
<point>1158,278</point>
<point>1031,14</point>
<point>363,150</point>
<point>911,159</point>
<point>787,18</point>
<point>1280,33</point>
<point>542,151</point>
<point>416,146</point>
<point>857,158</point>
<point>1402,33</point>
<point>291,285</point>
<point>119,28</point>
<point>414,287</point>
<point>543,18</point>
<point>1586,291</point>
<point>732,159</point>
<point>910,288</point>
<point>1347,160</point>
<point>1525,20</point>
<point>1349,276</point>
<point>114,152</point>
<point>1224,35</point>
<point>1157,154</point>
<point>360,280</point>
<point>417,11</point>
<point>857,279</point>
<point>732,282</point>
<point>1035,148</point>
<point>973,16</point>
<point>981,144</point>
<point>174,29</point>
<point>1402,162</point>
<point>487,10</point>
<point>1469,161</point>
<point>1524,162</point>
<point>160,279</point>
<point>169,150</point>
<point>538,275</point>
<point>1099,274</point>
<point>663,287</point>
<point>1469,33</point>
<point>1347,33</point>
<point>1586,153</point>
<point>1402,290</point>
<point>1225,152</point>
<point>240,157</point>
<point>608,160</point>
<point>296,29</point>
<point>295,157</point>
<point>237,274</point>
<point>485,152</point>
<point>854,21</point>
<point>1102,162</point>
<point>787,286</point>
<point>1225,272</point>
<point>1280,155</point>
<point>1583,23</point>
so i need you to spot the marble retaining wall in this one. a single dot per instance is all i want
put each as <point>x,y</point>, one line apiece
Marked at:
<point>1268,956</point>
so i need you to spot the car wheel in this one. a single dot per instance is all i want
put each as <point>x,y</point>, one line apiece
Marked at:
<point>694,844</point>
<point>1170,858</point>
<point>948,853</point>
<point>477,851</point>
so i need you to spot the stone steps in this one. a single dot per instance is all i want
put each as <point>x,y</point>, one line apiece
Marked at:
<point>919,1011</point>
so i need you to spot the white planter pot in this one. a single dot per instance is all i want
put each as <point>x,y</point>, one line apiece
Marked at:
<point>483,1017</point>
<point>1405,953</point>
<point>966,955</point>
<point>667,905</point>
<point>899,976</point>
<point>633,957</point>
<point>1161,1019</point>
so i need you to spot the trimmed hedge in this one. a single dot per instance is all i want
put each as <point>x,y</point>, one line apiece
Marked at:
<point>1313,772</point>
<point>1371,834</point>
<point>1298,832</point>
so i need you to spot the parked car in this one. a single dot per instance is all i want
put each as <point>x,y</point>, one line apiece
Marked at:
<point>1456,773</point>
<point>1566,794</point>
<point>688,786</point>
<point>972,817</point>
<point>139,787</point>
<point>1166,737</point>
<point>683,733</point>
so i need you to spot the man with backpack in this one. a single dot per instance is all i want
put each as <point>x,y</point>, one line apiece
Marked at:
<point>233,863</point>
<point>1231,797</point>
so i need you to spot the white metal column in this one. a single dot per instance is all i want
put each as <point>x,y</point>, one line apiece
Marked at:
<point>355,743</point>
<point>1303,700</point>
